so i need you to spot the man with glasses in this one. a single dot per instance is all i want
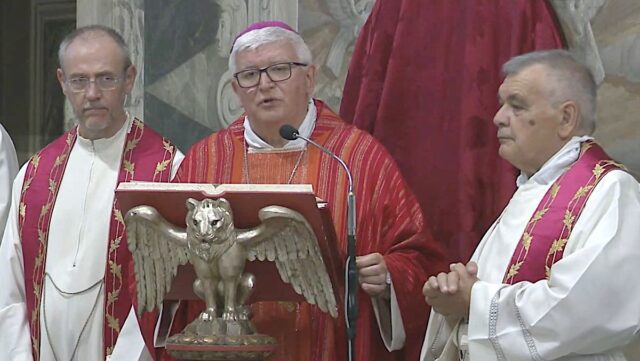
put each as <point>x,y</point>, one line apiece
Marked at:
<point>274,78</point>
<point>63,259</point>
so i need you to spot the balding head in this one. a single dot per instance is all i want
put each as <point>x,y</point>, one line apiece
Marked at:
<point>90,31</point>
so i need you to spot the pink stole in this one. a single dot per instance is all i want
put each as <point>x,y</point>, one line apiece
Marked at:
<point>146,157</point>
<point>546,234</point>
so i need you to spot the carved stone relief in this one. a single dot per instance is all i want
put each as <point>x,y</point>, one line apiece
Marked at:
<point>575,16</point>
<point>604,34</point>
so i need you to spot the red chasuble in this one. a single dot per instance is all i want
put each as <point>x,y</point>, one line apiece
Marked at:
<point>389,221</point>
<point>146,157</point>
<point>545,235</point>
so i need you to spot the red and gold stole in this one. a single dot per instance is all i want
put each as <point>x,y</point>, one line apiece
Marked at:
<point>546,234</point>
<point>146,157</point>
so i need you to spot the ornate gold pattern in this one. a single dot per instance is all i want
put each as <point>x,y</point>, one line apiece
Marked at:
<point>513,270</point>
<point>168,157</point>
<point>128,168</point>
<point>43,226</point>
<point>56,172</point>
<point>557,245</point>
<point>162,166</point>
<point>582,191</point>
<point>539,214</point>
<point>526,240</point>
<point>569,217</point>
<point>597,170</point>
<point>115,268</point>
<point>35,161</point>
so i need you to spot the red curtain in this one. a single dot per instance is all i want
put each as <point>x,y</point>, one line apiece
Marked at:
<point>423,80</point>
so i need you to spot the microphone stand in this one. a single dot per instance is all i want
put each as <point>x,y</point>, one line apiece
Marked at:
<point>351,273</point>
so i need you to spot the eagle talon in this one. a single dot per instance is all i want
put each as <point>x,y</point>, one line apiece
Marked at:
<point>230,315</point>
<point>209,314</point>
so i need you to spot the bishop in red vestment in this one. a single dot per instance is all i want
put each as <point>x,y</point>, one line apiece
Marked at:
<point>274,78</point>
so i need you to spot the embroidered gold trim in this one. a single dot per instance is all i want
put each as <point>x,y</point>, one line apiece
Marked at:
<point>569,218</point>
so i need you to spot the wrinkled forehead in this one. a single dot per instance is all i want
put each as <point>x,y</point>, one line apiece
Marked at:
<point>531,80</point>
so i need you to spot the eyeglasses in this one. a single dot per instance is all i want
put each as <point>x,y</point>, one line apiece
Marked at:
<point>103,82</point>
<point>276,72</point>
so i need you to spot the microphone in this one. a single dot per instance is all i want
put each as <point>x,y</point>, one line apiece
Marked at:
<point>288,132</point>
<point>351,274</point>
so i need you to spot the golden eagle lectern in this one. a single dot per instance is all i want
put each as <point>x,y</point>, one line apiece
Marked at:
<point>218,252</point>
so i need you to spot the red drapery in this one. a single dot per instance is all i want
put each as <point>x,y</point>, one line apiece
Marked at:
<point>423,80</point>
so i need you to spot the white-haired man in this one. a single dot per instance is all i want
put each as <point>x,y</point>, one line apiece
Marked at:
<point>64,263</point>
<point>274,78</point>
<point>554,277</point>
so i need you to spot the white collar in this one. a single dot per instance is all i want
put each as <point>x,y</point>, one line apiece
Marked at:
<point>557,164</point>
<point>104,143</point>
<point>306,128</point>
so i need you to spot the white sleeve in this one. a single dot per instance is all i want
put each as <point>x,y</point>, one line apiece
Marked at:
<point>389,320</point>
<point>177,160</point>
<point>130,345</point>
<point>8,171</point>
<point>589,305</point>
<point>15,340</point>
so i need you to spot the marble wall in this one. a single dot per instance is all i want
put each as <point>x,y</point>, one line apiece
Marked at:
<point>606,34</point>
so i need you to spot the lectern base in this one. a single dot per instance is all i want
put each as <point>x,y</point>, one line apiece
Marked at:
<point>222,348</point>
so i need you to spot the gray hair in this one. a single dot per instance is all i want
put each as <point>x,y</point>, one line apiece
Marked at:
<point>569,78</point>
<point>95,29</point>
<point>256,38</point>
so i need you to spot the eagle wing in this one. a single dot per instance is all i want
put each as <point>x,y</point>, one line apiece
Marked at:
<point>158,248</point>
<point>287,238</point>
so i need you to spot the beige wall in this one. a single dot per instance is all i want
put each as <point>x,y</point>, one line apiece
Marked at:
<point>606,33</point>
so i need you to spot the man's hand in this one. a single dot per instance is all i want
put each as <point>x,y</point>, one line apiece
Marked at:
<point>372,274</point>
<point>450,293</point>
